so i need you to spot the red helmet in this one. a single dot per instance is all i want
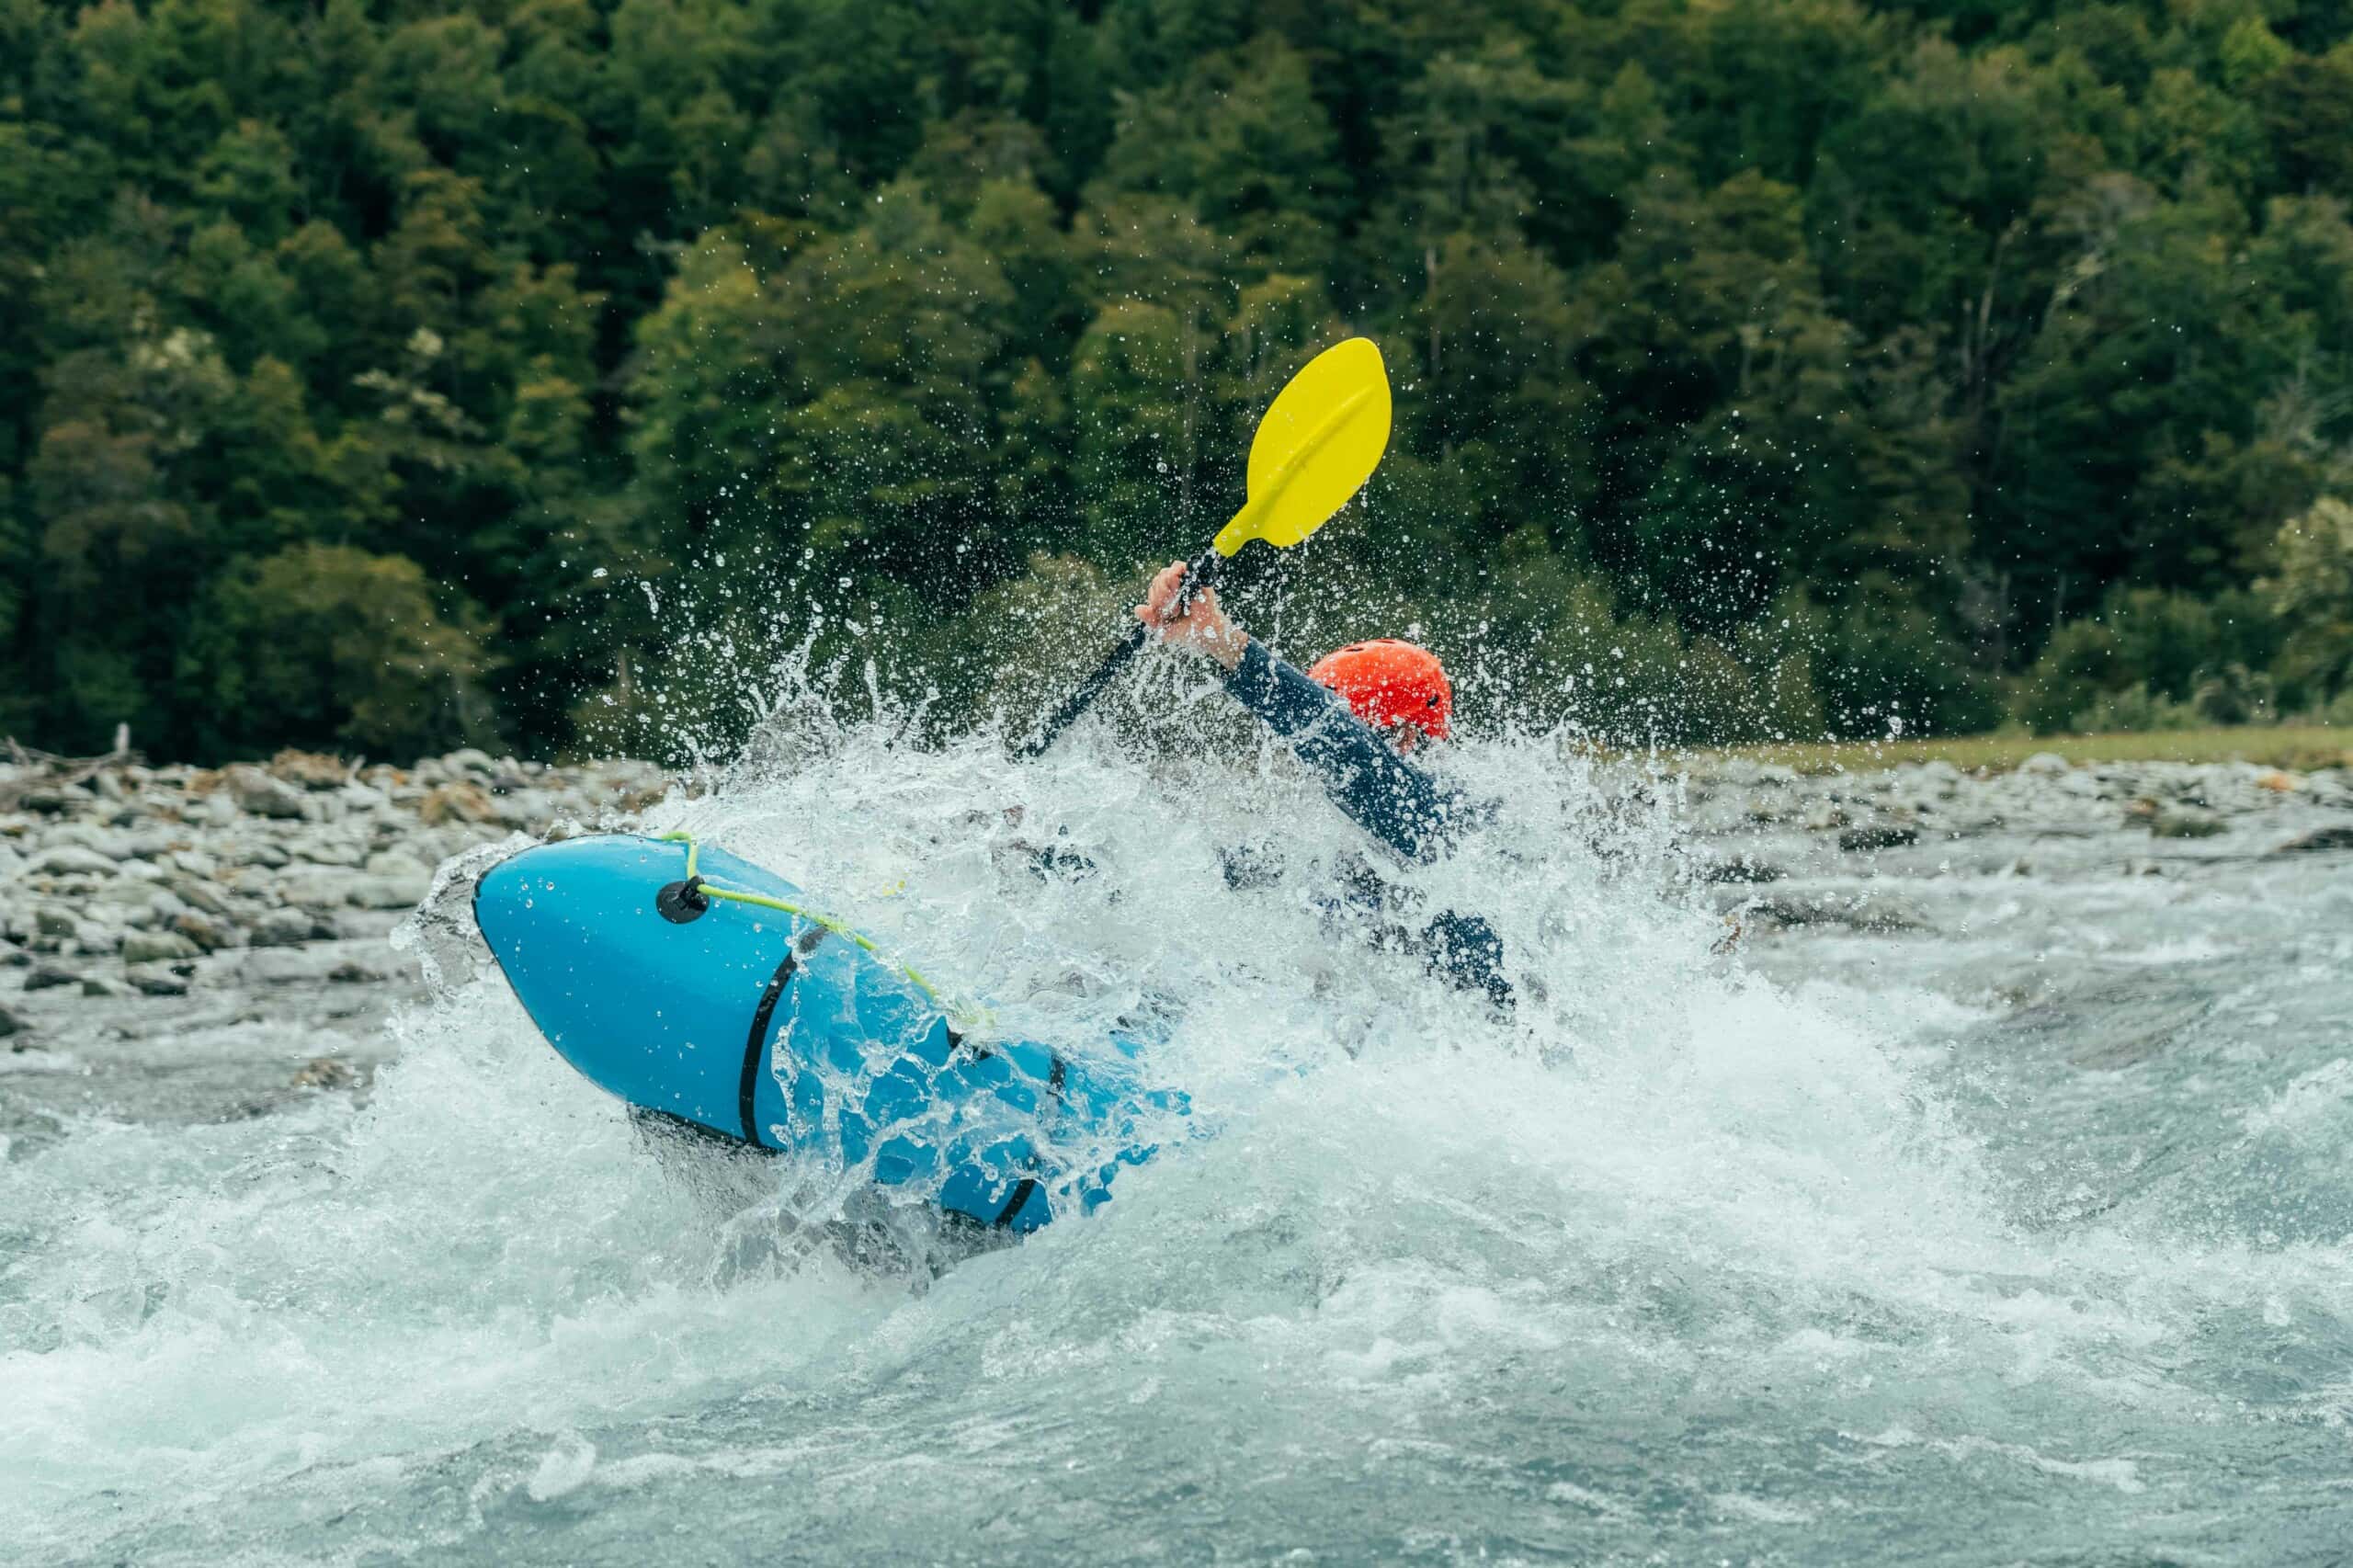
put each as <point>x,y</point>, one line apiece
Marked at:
<point>1391,683</point>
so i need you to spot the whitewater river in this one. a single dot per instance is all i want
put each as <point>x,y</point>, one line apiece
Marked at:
<point>2013,1230</point>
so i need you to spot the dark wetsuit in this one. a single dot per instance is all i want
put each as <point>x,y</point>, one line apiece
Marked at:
<point>1388,797</point>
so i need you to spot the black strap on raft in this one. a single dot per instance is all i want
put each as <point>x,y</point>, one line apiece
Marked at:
<point>1055,1077</point>
<point>1021,1191</point>
<point>756,1047</point>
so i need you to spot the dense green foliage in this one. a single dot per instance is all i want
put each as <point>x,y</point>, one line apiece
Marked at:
<point>379,372</point>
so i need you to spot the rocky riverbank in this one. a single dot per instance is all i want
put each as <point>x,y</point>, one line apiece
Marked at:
<point>150,904</point>
<point>154,904</point>
<point>1774,848</point>
<point>1913,801</point>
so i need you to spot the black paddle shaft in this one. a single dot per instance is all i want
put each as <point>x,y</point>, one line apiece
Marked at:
<point>1201,573</point>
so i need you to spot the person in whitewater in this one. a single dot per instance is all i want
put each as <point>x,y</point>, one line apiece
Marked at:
<point>1355,717</point>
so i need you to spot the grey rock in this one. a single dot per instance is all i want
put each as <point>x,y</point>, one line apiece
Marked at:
<point>85,836</point>
<point>328,1073</point>
<point>119,896</point>
<point>256,792</point>
<point>99,985</point>
<point>2184,825</point>
<point>51,920</point>
<point>397,863</point>
<point>315,890</point>
<point>2319,841</point>
<point>46,976</point>
<point>365,925</point>
<point>280,929</point>
<point>205,932</point>
<point>71,860</point>
<point>291,966</point>
<point>466,802</point>
<point>1740,868</point>
<point>313,770</point>
<point>10,1024</point>
<point>2043,764</point>
<point>354,970</point>
<point>157,947</point>
<point>1855,914</point>
<point>1880,836</point>
<point>524,809</point>
<point>388,892</point>
<point>322,849</point>
<point>155,981</point>
<point>198,894</point>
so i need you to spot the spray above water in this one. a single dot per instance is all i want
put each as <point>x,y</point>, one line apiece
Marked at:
<point>1664,1257</point>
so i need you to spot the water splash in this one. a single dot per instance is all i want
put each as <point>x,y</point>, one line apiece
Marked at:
<point>1676,1257</point>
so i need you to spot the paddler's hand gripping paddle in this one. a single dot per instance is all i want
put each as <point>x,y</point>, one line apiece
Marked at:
<point>1315,448</point>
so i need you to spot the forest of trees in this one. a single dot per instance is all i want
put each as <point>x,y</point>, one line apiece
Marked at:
<point>376,374</point>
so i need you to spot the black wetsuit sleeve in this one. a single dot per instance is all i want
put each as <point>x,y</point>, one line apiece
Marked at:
<point>1384,794</point>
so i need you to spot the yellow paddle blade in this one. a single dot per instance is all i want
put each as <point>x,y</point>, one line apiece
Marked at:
<point>1315,448</point>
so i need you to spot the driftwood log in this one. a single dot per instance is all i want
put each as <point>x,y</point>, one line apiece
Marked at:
<point>33,770</point>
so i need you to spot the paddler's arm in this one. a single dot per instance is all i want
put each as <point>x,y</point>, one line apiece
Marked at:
<point>1384,794</point>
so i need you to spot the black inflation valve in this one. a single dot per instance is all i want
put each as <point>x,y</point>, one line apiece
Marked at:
<point>682,901</point>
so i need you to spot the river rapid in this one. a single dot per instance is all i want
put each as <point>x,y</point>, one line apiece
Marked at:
<point>1978,1199</point>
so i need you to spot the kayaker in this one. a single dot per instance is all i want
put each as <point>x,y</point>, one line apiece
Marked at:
<point>1353,718</point>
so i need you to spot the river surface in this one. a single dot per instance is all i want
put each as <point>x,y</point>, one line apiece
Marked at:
<point>2015,1230</point>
